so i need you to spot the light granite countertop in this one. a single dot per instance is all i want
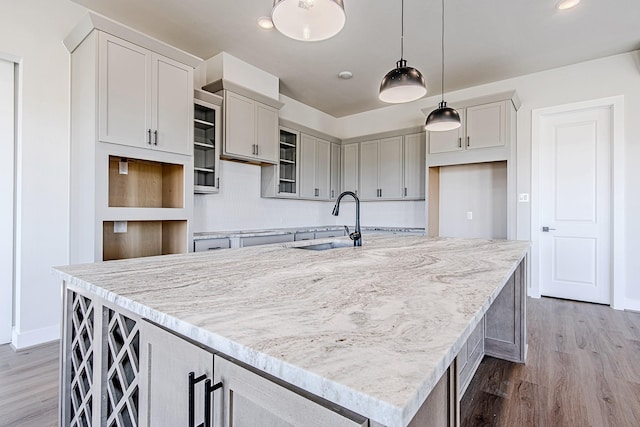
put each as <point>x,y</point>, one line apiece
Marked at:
<point>292,230</point>
<point>370,328</point>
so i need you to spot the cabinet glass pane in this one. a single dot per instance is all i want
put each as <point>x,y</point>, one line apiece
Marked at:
<point>287,165</point>
<point>204,129</point>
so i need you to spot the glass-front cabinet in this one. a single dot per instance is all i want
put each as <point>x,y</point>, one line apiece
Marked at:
<point>288,164</point>
<point>206,142</point>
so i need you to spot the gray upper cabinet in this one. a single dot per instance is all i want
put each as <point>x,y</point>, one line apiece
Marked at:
<point>145,99</point>
<point>381,169</point>
<point>349,167</point>
<point>488,130</point>
<point>250,123</point>
<point>251,129</point>
<point>315,159</point>
<point>414,166</point>
<point>335,170</point>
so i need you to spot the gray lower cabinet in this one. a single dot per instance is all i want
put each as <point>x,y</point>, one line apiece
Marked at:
<point>469,357</point>
<point>249,400</point>
<point>265,240</point>
<point>176,371</point>
<point>210,244</point>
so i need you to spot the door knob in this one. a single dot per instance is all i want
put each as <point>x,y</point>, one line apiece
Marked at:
<point>546,229</point>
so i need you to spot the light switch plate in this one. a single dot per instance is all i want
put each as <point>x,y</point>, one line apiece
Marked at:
<point>469,215</point>
<point>120,226</point>
<point>523,197</point>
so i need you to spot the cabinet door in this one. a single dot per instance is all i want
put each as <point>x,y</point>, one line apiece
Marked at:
<point>323,168</point>
<point>239,129</point>
<point>172,105</point>
<point>166,361</point>
<point>414,166</point>
<point>307,166</point>
<point>349,168</point>
<point>124,92</point>
<point>249,400</point>
<point>451,140</point>
<point>266,133</point>
<point>369,170</point>
<point>390,171</point>
<point>335,171</point>
<point>486,125</point>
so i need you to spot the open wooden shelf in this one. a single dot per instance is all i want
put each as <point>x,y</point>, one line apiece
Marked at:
<point>144,238</point>
<point>147,184</point>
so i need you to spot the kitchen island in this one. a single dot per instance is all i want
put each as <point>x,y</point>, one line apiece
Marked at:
<point>387,334</point>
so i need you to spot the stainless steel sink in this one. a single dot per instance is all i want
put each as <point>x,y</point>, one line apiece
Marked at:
<point>325,246</point>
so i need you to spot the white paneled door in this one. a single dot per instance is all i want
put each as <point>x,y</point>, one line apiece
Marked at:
<point>7,146</point>
<point>575,187</point>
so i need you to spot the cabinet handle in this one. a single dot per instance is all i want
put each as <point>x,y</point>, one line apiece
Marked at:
<point>192,384</point>
<point>381,192</point>
<point>218,182</point>
<point>149,136</point>
<point>460,142</point>
<point>155,137</point>
<point>257,150</point>
<point>468,141</point>
<point>208,397</point>
<point>332,194</point>
<point>317,192</point>
<point>405,191</point>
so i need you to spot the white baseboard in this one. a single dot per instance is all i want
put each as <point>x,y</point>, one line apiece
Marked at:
<point>24,340</point>
<point>632,304</point>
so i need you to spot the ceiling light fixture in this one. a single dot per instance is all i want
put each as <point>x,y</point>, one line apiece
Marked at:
<point>567,4</point>
<point>265,23</point>
<point>345,75</point>
<point>402,84</point>
<point>442,118</point>
<point>308,20</point>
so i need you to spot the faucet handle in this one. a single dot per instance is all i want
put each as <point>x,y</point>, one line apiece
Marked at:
<point>347,230</point>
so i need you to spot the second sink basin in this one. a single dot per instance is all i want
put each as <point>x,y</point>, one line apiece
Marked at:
<point>325,246</point>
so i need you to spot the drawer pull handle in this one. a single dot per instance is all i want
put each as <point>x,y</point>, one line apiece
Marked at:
<point>208,397</point>
<point>192,385</point>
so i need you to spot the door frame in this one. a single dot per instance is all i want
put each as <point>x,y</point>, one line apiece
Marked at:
<point>17,79</point>
<point>618,240</point>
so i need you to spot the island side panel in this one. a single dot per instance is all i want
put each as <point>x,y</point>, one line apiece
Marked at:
<point>505,321</point>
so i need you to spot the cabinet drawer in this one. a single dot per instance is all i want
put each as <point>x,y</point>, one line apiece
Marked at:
<point>265,240</point>
<point>210,244</point>
<point>329,233</point>
<point>304,236</point>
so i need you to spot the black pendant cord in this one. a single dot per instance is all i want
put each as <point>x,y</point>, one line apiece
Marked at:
<point>442,91</point>
<point>402,31</point>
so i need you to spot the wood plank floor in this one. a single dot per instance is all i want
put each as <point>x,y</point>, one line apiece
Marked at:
<point>29,386</point>
<point>583,369</point>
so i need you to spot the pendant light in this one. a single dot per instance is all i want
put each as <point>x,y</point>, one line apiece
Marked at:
<point>442,118</point>
<point>402,84</point>
<point>308,20</point>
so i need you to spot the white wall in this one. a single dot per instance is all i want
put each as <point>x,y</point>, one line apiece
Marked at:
<point>477,188</point>
<point>33,30</point>
<point>605,77</point>
<point>7,144</point>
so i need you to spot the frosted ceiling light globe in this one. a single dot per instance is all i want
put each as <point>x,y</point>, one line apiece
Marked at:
<point>308,20</point>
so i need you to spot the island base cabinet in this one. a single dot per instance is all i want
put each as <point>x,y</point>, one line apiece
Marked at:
<point>249,400</point>
<point>176,372</point>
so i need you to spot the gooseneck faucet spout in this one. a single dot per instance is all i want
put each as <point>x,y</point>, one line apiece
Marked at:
<point>356,236</point>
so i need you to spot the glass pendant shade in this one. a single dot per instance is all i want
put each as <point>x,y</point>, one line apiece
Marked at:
<point>402,84</point>
<point>442,119</point>
<point>308,20</point>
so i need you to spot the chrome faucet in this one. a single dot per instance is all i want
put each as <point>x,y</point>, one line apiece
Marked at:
<point>356,236</point>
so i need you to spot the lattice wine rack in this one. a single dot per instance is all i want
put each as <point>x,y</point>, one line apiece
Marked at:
<point>101,370</point>
<point>80,403</point>
<point>123,353</point>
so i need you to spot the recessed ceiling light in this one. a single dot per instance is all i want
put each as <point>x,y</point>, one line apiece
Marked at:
<point>346,75</point>
<point>265,23</point>
<point>567,4</point>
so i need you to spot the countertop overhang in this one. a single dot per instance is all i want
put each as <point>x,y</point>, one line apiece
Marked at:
<point>369,328</point>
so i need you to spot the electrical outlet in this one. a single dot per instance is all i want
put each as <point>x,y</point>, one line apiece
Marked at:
<point>120,226</point>
<point>469,215</point>
<point>123,167</point>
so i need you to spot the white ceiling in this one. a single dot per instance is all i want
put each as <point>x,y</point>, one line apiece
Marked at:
<point>486,40</point>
